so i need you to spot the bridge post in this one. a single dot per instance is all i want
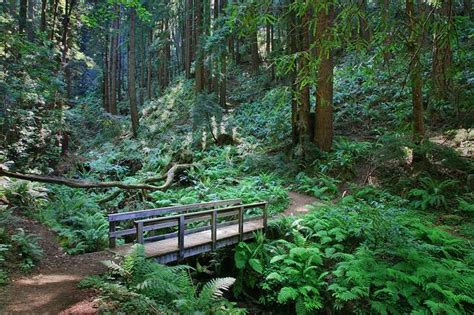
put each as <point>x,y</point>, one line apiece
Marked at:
<point>111,238</point>
<point>241,224</point>
<point>265,217</point>
<point>181,227</point>
<point>140,236</point>
<point>214,229</point>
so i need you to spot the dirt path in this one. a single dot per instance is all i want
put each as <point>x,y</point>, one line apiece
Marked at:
<point>298,203</point>
<point>52,287</point>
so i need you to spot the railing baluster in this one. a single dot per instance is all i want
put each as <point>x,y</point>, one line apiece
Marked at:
<point>265,217</point>
<point>181,227</point>
<point>140,236</point>
<point>214,229</point>
<point>241,224</point>
<point>112,238</point>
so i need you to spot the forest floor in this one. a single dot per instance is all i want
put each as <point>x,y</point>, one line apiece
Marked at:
<point>52,287</point>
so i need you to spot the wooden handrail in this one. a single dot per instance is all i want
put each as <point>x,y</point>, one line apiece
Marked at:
<point>203,213</point>
<point>198,216</point>
<point>114,218</point>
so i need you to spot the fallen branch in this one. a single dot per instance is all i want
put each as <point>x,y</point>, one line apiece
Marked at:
<point>74,183</point>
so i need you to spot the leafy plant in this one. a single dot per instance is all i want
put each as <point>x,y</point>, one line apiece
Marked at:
<point>27,247</point>
<point>140,285</point>
<point>432,193</point>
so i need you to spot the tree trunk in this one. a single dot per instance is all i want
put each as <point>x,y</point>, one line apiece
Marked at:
<point>254,56</point>
<point>304,101</point>
<point>106,75</point>
<point>22,16</point>
<point>29,23</point>
<point>467,8</point>
<point>131,75</point>
<point>188,38</point>
<point>113,64</point>
<point>199,53</point>
<point>43,15</point>
<point>442,56</point>
<point>363,24</point>
<point>148,67</point>
<point>414,44</point>
<point>323,133</point>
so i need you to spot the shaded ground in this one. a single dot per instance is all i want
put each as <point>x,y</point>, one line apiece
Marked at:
<point>52,287</point>
<point>298,203</point>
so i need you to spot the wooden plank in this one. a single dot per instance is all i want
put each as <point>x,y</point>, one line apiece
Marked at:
<point>132,215</point>
<point>167,246</point>
<point>198,229</point>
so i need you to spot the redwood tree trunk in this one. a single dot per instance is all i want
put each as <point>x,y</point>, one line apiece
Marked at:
<point>199,54</point>
<point>414,43</point>
<point>43,15</point>
<point>323,133</point>
<point>131,75</point>
<point>442,56</point>
<point>113,64</point>
<point>22,16</point>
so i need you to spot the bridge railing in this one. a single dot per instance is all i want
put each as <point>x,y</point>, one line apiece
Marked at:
<point>117,218</point>
<point>212,215</point>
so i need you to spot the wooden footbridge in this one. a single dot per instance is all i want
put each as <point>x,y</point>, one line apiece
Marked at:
<point>172,233</point>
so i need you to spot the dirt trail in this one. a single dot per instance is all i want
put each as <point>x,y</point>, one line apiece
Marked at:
<point>298,203</point>
<point>52,287</point>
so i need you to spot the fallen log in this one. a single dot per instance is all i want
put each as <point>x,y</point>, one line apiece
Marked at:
<point>74,183</point>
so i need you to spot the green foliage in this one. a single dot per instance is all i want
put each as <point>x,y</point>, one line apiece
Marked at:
<point>432,193</point>
<point>28,249</point>
<point>322,187</point>
<point>80,223</point>
<point>138,285</point>
<point>367,254</point>
<point>3,274</point>
<point>266,121</point>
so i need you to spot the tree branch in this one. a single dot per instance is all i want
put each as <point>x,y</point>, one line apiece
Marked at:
<point>74,183</point>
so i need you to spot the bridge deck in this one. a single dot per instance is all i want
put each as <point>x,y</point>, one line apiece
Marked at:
<point>193,243</point>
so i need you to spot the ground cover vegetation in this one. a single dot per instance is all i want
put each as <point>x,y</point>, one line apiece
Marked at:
<point>364,105</point>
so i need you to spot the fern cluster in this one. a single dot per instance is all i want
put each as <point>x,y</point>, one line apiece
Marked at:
<point>138,285</point>
<point>367,254</point>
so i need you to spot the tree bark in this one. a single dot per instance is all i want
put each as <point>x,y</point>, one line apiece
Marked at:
<point>113,63</point>
<point>22,16</point>
<point>29,23</point>
<point>323,133</point>
<point>442,55</point>
<point>188,38</point>
<point>131,75</point>
<point>304,100</point>
<point>43,15</point>
<point>106,96</point>
<point>414,44</point>
<point>199,53</point>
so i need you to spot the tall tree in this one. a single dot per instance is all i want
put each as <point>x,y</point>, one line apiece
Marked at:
<point>442,55</point>
<point>415,40</point>
<point>132,94</point>
<point>323,133</point>
<point>200,53</point>
<point>22,17</point>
